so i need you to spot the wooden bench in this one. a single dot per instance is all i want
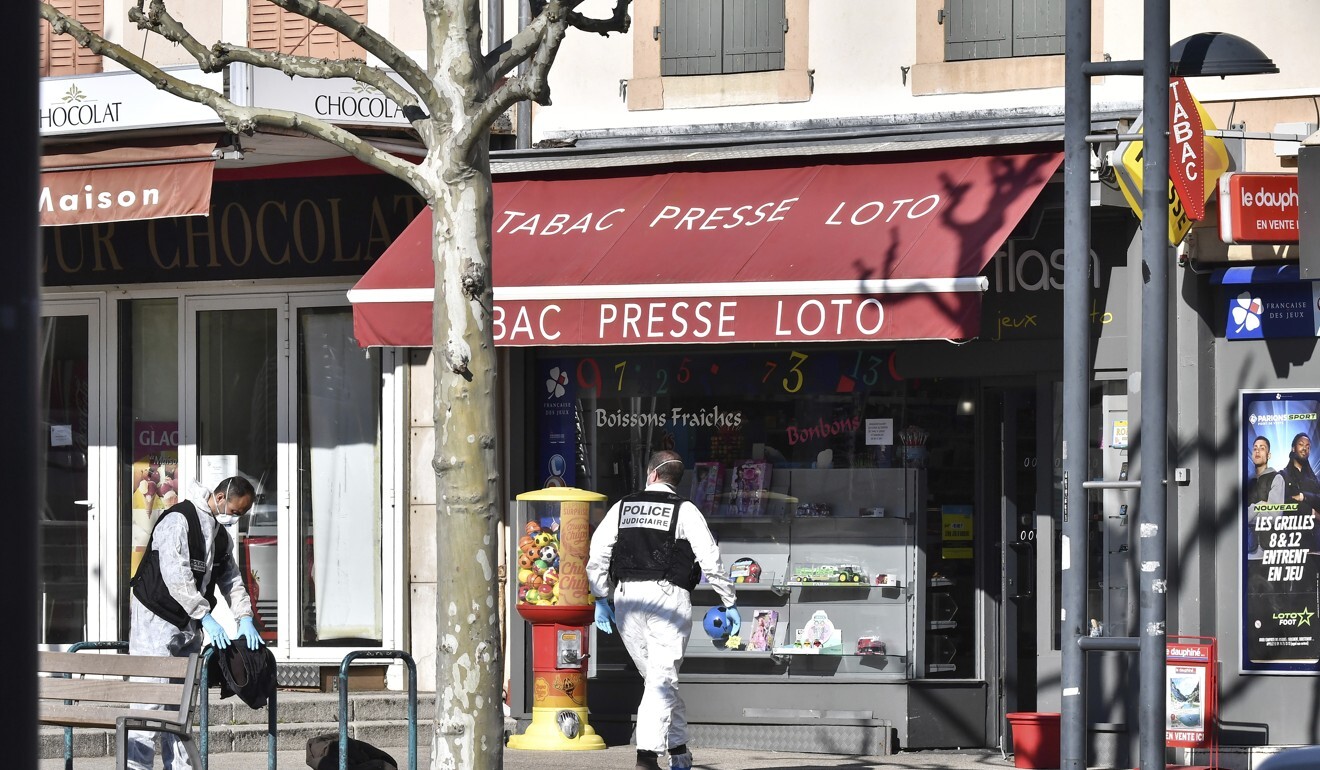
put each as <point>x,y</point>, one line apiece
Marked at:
<point>82,689</point>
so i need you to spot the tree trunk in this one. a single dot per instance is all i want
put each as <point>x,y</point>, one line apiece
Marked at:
<point>469,723</point>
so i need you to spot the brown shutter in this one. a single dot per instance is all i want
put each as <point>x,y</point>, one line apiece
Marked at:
<point>271,28</point>
<point>60,54</point>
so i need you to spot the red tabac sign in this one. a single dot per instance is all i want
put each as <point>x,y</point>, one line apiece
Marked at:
<point>1258,208</point>
<point>1186,149</point>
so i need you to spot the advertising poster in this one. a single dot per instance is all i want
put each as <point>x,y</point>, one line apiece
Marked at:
<point>1280,555</point>
<point>1190,692</point>
<point>557,442</point>
<point>155,478</point>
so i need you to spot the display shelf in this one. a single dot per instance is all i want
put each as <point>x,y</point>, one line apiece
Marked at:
<point>943,624</point>
<point>801,559</point>
<point>936,668</point>
<point>717,652</point>
<point>741,587</point>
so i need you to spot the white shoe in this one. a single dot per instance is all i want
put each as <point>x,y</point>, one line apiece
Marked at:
<point>680,761</point>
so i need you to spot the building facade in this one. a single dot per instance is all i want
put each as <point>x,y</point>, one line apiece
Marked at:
<point>817,249</point>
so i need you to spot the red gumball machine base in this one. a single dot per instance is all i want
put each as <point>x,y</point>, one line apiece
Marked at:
<point>560,648</point>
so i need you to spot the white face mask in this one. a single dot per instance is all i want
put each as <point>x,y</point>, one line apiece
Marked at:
<point>226,519</point>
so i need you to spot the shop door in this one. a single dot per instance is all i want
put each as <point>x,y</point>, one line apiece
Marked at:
<point>1017,483</point>
<point>70,537</point>
<point>280,394</point>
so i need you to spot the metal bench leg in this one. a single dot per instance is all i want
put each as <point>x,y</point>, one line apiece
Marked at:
<point>190,746</point>
<point>121,746</point>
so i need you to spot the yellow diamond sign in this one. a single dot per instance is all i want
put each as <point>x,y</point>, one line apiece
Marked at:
<point>1128,158</point>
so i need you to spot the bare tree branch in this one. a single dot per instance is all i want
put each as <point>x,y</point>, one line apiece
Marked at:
<point>619,20</point>
<point>373,43</point>
<point>238,119</point>
<point>157,19</point>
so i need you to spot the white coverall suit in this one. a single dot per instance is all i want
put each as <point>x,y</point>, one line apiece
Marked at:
<point>150,634</point>
<point>654,618</point>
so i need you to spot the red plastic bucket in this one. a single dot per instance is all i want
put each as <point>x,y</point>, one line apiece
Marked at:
<point>1035,739</point>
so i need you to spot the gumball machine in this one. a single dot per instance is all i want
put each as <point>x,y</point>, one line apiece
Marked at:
<point>551,571</point>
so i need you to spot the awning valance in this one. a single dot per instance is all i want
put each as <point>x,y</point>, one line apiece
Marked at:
<point>144,180</point>
<point>838,252</point>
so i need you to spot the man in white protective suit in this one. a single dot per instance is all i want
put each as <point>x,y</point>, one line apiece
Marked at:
<point>188,556</point>
<point>649,552</point>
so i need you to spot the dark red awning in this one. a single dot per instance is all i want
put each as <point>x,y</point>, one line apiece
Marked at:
<point>144,180</point>
<point>849,251</point>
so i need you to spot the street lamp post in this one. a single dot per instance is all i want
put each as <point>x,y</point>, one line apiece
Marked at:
<point>1204,54</point>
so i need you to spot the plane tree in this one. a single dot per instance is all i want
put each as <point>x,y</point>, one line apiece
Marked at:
<point>451,101</point>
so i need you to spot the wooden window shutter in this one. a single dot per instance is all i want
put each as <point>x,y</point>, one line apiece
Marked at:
<point>1037,27</point>
<point>753,35</point>
<point>271,28</point>
<point>690,36</point>
<point>59,54</point>
<point>977,29</point>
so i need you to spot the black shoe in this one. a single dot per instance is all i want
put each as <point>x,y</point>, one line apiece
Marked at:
<point>647,760</point>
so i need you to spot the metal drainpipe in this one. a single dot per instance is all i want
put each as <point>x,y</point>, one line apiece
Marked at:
<point>524,108</point>
<point>1076,357</point>
<point>494,24</point>
<point>1152,514</point>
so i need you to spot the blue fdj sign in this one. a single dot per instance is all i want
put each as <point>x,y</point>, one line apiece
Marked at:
<point>1265,311</point>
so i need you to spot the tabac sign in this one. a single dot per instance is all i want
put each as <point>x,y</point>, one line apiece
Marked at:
<point>1186,163</point>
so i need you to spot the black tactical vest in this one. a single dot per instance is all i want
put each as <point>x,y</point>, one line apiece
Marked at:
<point>648,547</point>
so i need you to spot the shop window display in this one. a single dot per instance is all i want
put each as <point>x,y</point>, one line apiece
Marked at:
<point>823,475</point>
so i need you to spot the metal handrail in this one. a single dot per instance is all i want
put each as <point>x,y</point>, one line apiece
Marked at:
<point>204,716</point>
<point>412,701</point>
<point>68,731</point>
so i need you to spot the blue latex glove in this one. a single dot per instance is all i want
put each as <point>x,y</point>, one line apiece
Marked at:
<point>218,636</point>
<point>735,620</point>
<point>604,616</point>
<point>248,630</point>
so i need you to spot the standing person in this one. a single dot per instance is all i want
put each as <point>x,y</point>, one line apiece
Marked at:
<point>650,551</point>
<point>1300,483</point>
<point>1266,487</point>
<point>171,605</point>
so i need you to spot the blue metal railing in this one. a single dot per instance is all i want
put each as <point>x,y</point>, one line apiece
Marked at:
<point>204,717</point>
<point>343,701</point>
<point>68,731</point>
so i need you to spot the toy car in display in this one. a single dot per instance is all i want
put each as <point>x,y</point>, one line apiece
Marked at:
<point>870,645</point>
<point>851,573</point>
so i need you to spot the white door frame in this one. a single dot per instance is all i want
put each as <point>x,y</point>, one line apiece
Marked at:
<point>190,307</point>
<point>393,564</point>
<point>102,521</point>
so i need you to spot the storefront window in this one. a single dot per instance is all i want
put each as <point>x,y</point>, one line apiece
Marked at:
<point>777,435</point>
<point>63,518</point>
<point>338,482</point>
<point>149,339</point>
<point>237,429</point>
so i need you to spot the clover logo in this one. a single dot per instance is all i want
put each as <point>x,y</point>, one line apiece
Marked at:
<point>1246,312</point>
<point>555,385</point>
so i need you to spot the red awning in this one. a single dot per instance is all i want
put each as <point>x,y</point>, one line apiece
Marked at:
<point>139,181</point>
<point>849,251</point>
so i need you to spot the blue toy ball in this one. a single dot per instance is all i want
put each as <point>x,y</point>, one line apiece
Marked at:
<point>718,624</point>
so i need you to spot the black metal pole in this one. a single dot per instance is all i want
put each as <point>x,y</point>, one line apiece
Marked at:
<point>1076,358</point>
<point>1154,383</point>
<point>19,301</point>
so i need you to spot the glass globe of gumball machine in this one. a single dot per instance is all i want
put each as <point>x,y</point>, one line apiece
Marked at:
<point>553,595</point>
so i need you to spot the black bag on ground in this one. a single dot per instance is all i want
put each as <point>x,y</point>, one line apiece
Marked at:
<point>323,754</point>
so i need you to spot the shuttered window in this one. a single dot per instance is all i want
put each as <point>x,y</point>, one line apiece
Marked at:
<point>714,37</point>
<point>271,28</point>
<point>59,54</point>
<point>993,29</point>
